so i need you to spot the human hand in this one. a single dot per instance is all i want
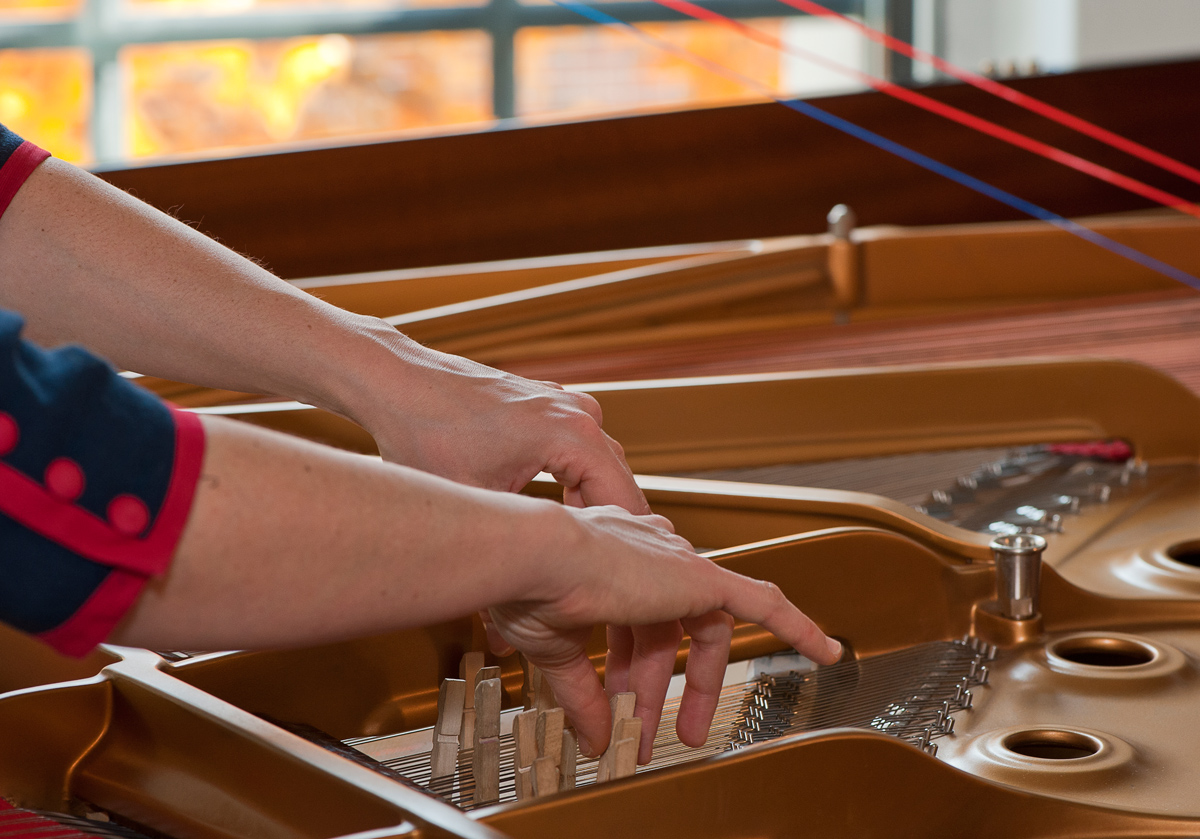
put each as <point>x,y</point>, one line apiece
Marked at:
<point>650,587</point>
<point>483,427</point>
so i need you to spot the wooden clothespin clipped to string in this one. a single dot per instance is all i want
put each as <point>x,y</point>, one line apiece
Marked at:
<point>620,758</point>
<point>568,760</point>
<point>525,752</point>
<point>549,748</point>
<point>485,758</point>
<point>537,693</point>
<point>443,760</point>
<point>468,669</point>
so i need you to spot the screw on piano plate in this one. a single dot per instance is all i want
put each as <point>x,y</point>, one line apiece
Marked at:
<point>982,676</point>
<point>841,220</point>
<point>1018,559</point>
<point>967,699</point>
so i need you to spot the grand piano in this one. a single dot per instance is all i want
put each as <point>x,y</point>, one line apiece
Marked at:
<point>965,705</point>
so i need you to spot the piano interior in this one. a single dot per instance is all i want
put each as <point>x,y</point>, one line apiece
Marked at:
<point>878,499</point>
<point>1075,720</point>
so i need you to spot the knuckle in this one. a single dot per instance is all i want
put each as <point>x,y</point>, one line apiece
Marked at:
<point>617,449</point>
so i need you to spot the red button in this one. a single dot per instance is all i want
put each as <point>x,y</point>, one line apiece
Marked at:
<point>128,515</point>
<point>9,433</point>
<point>64,479</point>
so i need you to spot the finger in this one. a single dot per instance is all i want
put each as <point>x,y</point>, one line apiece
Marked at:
<point>708,656</point>
<point>577,689</point>
<point>612,483</point>
<point>761,602</point>
<point>653,661</point>
<point>616,663</point>
<point>496,642</point>
<point>595,463</point>
<point>572,497</point>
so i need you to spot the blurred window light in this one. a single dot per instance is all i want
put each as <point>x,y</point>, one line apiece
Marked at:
<point>227,95</point>
<point>47,94</point>
<point>829,39</point>
<point>18,11</point>
<point>568,71</point>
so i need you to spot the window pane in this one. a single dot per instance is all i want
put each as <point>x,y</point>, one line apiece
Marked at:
<point>25,11</point>
<point>228,7</point>
<point>46,97</point>
<point>577,70</point>
<point>238,94</point>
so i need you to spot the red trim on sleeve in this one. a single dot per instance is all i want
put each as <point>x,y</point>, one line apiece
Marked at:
<point>86,534</point>
<point>95,620</point>
<point>99,615</point>
<point>17,168</point>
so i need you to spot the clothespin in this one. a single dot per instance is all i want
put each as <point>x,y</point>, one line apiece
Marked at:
<point>468,668</point>
<point>622,705</point>
<point>525,753</point>
<point>545,776</point>
<point>569,757</point>
<point>485,758</point>
<point>626,738</point>
<point>550,734</point>
<point>536,692</point>
<point>443,760</point>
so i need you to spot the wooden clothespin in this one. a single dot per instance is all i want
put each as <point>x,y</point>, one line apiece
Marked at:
<point>536,691</point>
<point>622,705</point>
<point>550,734</point>
<point>485,758</point>
<point>443,759</point>
<point>549,738</point>
<point>545,776</point>
<point>525,753</point>
<point>626,739</point>
<point>568,760</point>
<point>468,668</point>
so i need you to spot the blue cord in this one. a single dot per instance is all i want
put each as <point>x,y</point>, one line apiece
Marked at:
<point>808,109</point>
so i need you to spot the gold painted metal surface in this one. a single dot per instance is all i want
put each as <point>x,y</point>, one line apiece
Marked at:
<point>177,747</point>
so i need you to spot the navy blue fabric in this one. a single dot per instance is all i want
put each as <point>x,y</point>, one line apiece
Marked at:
<point>69,403</point>
<point>8,144</point>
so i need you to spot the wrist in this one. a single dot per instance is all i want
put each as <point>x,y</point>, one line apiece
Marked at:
<point>349,370</point>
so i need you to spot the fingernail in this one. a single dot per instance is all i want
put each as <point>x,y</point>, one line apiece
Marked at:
<point>585,747</point>
<point>835,648</point>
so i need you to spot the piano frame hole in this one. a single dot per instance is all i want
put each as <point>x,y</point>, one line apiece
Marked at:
<point>1099,651</point>
<point>1186,553</point>
<point>1052,744</point>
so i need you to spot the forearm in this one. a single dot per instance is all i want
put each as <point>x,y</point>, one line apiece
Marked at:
<point>291,543</point>
<point>86,263</point>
